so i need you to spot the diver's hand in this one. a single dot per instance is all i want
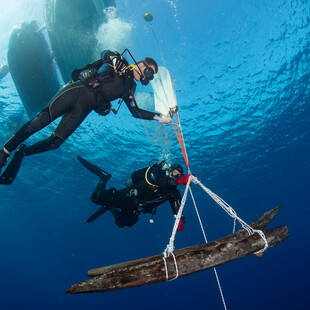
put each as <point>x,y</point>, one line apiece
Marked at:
<point>118,63</point>
<point>166,120</point>
<point>184,180</point>
<point>181,223</point>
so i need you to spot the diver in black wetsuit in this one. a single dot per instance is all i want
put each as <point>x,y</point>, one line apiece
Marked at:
<point>144,192</point>
<point>92,88</point>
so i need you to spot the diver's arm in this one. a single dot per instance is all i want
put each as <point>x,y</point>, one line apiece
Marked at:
<point>137,112</point>
<point>175,201</point>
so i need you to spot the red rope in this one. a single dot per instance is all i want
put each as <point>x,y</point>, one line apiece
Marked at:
<point>180,139</point>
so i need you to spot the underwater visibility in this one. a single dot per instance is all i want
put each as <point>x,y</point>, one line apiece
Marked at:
<point>137,139</point>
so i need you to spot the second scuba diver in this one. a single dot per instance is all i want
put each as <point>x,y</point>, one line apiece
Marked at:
<point>147,189</point>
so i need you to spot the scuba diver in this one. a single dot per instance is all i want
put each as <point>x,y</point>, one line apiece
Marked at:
<point>91,88</point>
<point>147,189</point>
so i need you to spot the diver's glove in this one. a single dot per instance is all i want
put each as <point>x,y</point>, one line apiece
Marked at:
<point>181,223</point>
<point>184,180</point>
<point>166,120</point>
<point>118,63</point>
<point>4,156</point>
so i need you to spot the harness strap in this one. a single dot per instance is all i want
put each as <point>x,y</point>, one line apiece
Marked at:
<point>148,182</point>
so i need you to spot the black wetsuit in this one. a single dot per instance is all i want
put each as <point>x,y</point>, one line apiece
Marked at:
<point>150,188</point>
<point>75,101</point>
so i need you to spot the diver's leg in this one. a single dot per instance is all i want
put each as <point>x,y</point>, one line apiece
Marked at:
<point>26,131</point>
<point>9,174</point>
<point>77,108</point>
<point>101,196</point>
<point>34,125</point>
<point>104,197</point>
<point>56,139</point>
<point>67,125</point>
<point>124,218</point>
<point>51,143</point>
<point>99,212</point>
<point>63,102</point>
<point>94,169</point>
<point>117,217</point>
<point>128,213</point>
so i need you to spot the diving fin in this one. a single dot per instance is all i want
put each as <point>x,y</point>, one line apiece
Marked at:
<point>94,169</point>
<point>9,174</point>
<point>99,212</point>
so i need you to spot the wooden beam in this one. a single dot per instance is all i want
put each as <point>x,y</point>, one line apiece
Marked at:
<point>189,260</point>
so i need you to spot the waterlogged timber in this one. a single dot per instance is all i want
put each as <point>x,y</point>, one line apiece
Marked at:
<point>189,260</point>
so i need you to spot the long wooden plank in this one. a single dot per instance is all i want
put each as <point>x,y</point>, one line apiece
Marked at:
<point>189,260</point>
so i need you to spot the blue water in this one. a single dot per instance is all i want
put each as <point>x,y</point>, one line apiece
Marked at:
<point>241,71</point>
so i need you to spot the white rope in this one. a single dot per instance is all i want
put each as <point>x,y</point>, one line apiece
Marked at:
<point>166,269</point>
<point>198,215</point>
<point>205,237</point>
<point>175,264</point>
<point>226,207</point>
<point>170,246</point>
<point>161,54</point>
